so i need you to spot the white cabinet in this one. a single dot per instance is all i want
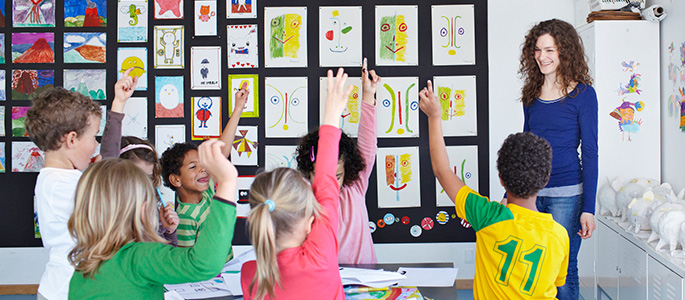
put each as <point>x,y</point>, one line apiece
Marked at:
<point>607,261</point>
<point>621,266</point>
<point>662,282</point>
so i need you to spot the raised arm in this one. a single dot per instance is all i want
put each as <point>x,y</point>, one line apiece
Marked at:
<point>228,135</point>
<point>366,139</point>
<point>430,105</point>
<point>111,137</point>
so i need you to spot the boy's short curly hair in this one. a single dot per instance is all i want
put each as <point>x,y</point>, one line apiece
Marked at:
<point>57,112</point>
<point>347,153</point>
<point>524,163</point>
<point>172,160</point>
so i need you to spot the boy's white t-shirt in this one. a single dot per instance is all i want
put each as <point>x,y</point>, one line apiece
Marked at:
<point>54,202</point>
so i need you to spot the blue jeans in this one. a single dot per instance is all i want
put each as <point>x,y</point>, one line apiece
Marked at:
<point>566,211</point>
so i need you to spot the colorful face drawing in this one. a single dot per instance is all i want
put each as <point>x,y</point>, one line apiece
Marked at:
<point>394,38</point>
<point>452,102</point>
<point>450,32</point>
<point>285,35</point>
<point>287,100</point>
<point>133,62</point>
<point>397,174</point>
<point>401,106</point>
<point>338,29</point>
<point>351,113</point>
<point>625,114</point>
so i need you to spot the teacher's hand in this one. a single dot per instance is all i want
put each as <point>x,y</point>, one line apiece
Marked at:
<point>587,225</point>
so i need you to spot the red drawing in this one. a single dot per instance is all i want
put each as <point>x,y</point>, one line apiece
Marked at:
<point>169,5</point>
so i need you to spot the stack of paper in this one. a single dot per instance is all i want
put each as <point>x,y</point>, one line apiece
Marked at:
<point>429,277</point>
<point>367,277</point>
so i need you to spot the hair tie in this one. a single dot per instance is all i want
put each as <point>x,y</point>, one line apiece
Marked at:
<point>134,146</point>
<point>311,154</point>
<point>270,203</point>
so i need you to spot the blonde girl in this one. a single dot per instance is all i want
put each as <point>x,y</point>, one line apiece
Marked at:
<point>294,226</point>
<point>118,254</point>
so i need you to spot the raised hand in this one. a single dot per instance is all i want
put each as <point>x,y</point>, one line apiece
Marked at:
<point>369,84</point>
<point>241,98</point>
<point>215,163</point>
<point>123,90</point>
<point>169,217</point>
<point>429,103</point>
<point>336,97</point>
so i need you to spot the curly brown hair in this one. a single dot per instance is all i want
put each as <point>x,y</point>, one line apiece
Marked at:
<point>524,163</point>
<point>57,112</point>
<point>348,153</point>
<point>572,68</point>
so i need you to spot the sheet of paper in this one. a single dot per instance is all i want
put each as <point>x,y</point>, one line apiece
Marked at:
<point>232,281</point>
<point>172,295</point>
<point>212,288</point>
<point>368,277</point>
<point>429,277</point>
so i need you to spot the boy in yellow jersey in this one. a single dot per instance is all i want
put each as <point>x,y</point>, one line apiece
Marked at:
<point>520,252</point>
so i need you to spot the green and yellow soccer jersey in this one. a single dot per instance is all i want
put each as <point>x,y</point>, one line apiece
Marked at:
<point>520,253</point>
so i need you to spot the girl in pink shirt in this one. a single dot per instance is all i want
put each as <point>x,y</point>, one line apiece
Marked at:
<point>293,226</point>
<point>355,163</point>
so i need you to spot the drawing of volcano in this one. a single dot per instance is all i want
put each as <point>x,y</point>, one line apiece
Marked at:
<point>33,48</point>
<point>85,47</point>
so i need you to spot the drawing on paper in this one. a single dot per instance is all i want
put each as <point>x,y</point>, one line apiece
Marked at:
<point>464,163</point>
<point>633,85</point>
<point>394,38</point>
<point>335,34</point>
<point>251,109</point>
<point>205,18</point>
<point>90,82</point>
<point>27,84</point>
<point>340,36</point>
<point>625,114</point>
<point>33,47</point>
<point>398,109</point>
<point>453,34</point>
<point>2,121</point>
<point>26,157</point>
<point>169,96</point>
<point>3,93</point>
<point>280,157</point>
<point>89,13</point>
<point>135,58</point>
<point>2,48</point>
<point>629,66</point>
<point>167,135</point>
<point>245,146</point>
<point>168,9</point>
<point>135,118</point>
<point>682,116</point>
<point>206,120</point>
<point>33,13</point>
<point>352,113</point>
<point>203,113</point>
<point>396,32</point>
<point>400,185</point>
<point>286,39</point>
<point>2,157</point>
<point>457,96</point>
<point>205,15</point>
<point>2,13</point>
<point>18,119</point>
<point>241,9</point>
<point>85,47</point>
<point>286,106</point>
<point>205,64</point>
<point>132,19</point>
<point>243,46</point>
<point>169,47</point>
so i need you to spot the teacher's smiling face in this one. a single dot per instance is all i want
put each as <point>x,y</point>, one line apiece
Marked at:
<point>547,54</point>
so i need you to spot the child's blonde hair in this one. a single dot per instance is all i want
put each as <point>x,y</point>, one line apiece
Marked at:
<point>293,201</point>
<point>109,213</point>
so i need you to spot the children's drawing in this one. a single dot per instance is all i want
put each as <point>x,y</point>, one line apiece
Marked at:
<point>243,50</point>
<point>168,9</point>
<point>340,36</point>
<point>135,119</point>
<point>397,112</point>
<point>397,35</point>
<point>132,21</point>
<point>167,135</point>
<point>399,187</point>
<point>90,82</point>
<point>89,13</point>
<point>242,195</point>
<point>135,58</point>
<point>245,146</point>
<point>286,106</point>
<point>2,13</point>
<point>625,114</point>
<point>205,68</point>
<point>674,102</point>
<point>682,116</point>
<point>280,157</point>
<point>453,35</point>
<point>18,119</point>
<point>3,93</point>
<point>33,13</point>
<point>238,9</point>
<point>85,47</point>
<point>352,113</point>
<point>2,157</point>
<point>33,47</point>
<point>286,36</point>
<point>205,18</point>
<point>633,85</point>
<point>169,96</point>
<point>2,48</point>
<point>682,54</point>
<point>629,66</point>
<point>2,121</point>
<point>103,122</point>
<point>464,163</point>
<point>27,84</point>
<point>206,120</point>
<point>251,109</point>
<point>169,47</point>
<point>457,95</point>
<point>26,157</point>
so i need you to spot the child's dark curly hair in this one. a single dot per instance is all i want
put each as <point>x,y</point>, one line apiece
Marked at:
<point>524,163</point>
<point>347,153</point>
<point>172,160</point>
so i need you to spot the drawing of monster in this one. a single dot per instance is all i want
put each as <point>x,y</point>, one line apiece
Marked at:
<point>632,86</point>
<point>241,45</point>
<point>394,38</point>
<point>450,33</point>
<point>625,114</point>
<point>133,11</point>
<point>398,174</point>
<point>288,101</point>
<point>203,114</point>
<point>402,110</point>
<point>205,15</point>
<point>285,36</point>
<point>452,106</point>
<point>339,28</point>
<point>170,45</point>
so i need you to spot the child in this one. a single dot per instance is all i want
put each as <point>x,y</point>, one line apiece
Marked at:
<point>355,245</point>
<point>294,236</point>
<point>521,253</point>
<point>182,173</point>
<point>115,219</point>
<point>141,152</point>
<point>63,124</point>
